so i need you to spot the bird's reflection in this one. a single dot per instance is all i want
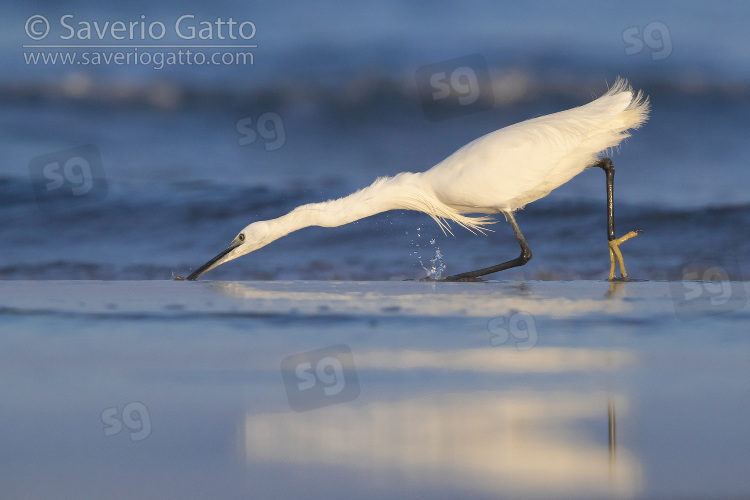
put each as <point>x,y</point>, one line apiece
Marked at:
<point>520,444</point>
<point>536,440</point>
<point>421,298</point>
<point>616,289</point>
<point>612,434</point>
<point>537,433</point>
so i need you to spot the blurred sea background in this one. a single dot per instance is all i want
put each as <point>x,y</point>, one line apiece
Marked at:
<point>526,386</point>
<point>191,153</point>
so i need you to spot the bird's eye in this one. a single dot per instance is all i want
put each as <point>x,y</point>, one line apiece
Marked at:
<point>241,237</point>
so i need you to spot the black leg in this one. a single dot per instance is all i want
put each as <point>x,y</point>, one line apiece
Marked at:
<point>519,261</point>
<point>615,256</point>
<point>609,169</point>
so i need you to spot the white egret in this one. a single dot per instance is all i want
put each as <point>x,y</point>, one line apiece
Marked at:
<point>500,172</point>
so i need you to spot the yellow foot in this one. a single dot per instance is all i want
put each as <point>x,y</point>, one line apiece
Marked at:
<point>616,255</point>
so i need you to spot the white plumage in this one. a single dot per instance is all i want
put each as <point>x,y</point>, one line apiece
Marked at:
<point>499,172</point>
<point>511,167</point>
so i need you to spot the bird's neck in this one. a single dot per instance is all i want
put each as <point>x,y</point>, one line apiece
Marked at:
<point>405,191</point>
<point>388,193</point>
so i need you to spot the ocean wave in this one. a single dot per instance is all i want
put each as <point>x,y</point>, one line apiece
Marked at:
<point>210,200</point>
<point>133,235</point>
<point>507,86</point>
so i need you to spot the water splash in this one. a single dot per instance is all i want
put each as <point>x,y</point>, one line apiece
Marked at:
<point>437,266</point>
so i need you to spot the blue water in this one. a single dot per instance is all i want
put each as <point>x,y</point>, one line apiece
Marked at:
<point>191,154</point>
<point>139,386</point>
<point>162,389</point>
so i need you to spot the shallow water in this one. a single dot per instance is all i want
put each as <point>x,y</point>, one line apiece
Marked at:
<point>508,389</point>
<point>364,385</point>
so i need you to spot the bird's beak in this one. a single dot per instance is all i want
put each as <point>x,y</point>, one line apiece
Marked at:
<point>216,261</point>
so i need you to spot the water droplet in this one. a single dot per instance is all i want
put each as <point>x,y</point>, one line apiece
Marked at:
<point>437,266</point>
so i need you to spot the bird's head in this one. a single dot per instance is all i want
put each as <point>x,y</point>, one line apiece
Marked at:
<point>253,237</point>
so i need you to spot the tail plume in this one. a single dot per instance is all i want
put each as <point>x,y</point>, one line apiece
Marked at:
<point>636,109</point>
